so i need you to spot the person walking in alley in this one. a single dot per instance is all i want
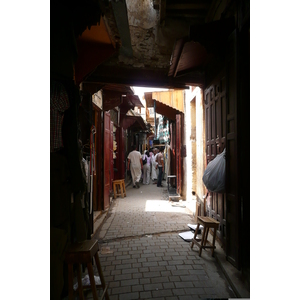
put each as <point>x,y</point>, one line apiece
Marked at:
<point>153,166</point>
<point>135,164</point>
<point>160,165</point>
<point>146,168</point>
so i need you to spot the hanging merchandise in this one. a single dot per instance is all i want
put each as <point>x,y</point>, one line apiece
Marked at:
<point>163,133</point>
<point>214,176</point>
<point>59,103</point>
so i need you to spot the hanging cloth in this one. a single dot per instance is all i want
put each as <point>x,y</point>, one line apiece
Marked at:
<point>59,103</point>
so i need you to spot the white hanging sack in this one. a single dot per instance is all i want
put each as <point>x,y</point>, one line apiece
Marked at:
<point>214,176</point>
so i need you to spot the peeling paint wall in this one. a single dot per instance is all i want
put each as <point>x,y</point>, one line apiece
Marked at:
<point>151,42</point>
<point>141,13</point>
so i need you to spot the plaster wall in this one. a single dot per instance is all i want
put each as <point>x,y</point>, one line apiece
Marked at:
<point>185,160</point>
<point>193,141</point>
<point>200,136</point>
<point>194,163</point>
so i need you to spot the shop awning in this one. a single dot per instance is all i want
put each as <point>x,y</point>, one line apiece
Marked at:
<point>94,46</point>
<point>135,100</point>
<point>133,122</point>
<point>205,42</point>
<point>130,102</point>
<point>121,96</point>
<point>192,58</point>
<point>168,104</point>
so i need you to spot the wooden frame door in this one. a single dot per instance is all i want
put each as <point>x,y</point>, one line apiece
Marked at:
<point>221,125</point>
<point>215,126</point>
<point>111,154</point>
<point>106,160</point>
<point>233,204</point>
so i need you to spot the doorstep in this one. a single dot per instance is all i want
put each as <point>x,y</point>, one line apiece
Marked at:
<point>99,217</point>
<point>96,215</point>
<point>234,276</point>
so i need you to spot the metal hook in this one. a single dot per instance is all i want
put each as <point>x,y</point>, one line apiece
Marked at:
<point>93,129</point>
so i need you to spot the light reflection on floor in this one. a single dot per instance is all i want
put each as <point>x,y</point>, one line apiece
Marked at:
<point>164,206</point>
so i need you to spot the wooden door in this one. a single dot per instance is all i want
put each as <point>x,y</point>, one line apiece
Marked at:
<point>215,126</point>
<point>173,148</point>
<point>123,159</point>
<point>111,154</point>
<point>120,154</point>
<point>96,140</point>
<point>221,122</point>
<point>106,160</point>
<point>233,207</point>
<point>178,152</point>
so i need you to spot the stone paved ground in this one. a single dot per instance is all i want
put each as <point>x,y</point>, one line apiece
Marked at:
<point>143,257</point>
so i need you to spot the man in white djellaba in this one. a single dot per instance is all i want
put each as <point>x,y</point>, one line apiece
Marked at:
<point>153,165</point>
<point>135,164</point>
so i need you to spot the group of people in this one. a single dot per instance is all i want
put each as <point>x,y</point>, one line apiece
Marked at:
<point>150,165</point>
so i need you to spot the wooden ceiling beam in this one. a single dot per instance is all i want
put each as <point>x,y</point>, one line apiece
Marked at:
<point>186,14</point>
<point>184,6</point>
<point>142,77</point>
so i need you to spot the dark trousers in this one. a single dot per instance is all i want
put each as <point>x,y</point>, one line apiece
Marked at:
<point>160,174</point>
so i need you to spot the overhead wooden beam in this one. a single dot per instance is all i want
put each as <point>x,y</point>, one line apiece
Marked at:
<point>187,14</point>
<point>183,6</point>
<point>120,13</point>
<point>143,77</point>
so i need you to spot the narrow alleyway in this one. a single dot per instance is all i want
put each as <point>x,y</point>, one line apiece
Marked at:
<point>143,256</point>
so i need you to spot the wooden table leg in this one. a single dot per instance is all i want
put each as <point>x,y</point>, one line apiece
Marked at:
<point>70,283</point>
<point>101,276</point>
<point>206,236</point>
<point>115,192</point>
<point>123,184</point>
<point>214,239</point>
<point>195,235</point>
<point>121,188</point>
<point>79,281</point>
<point>92,280</point>
<point>203,241</point>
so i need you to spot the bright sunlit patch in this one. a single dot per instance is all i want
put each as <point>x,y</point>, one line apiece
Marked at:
<point>164,206</point>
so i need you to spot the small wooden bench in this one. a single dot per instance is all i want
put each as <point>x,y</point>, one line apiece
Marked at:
<point>83,253</point>
<point>168,181</point>
<point>207,223</point>
<point>119,188</point>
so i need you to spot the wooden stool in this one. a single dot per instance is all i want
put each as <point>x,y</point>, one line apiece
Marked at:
<point>80,253</point>
<point>168,180</point>
<point>119,188</point>
<point>207,223</point>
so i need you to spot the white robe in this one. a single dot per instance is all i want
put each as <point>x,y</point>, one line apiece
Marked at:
<point>135,165</point>
<point>153,167</point>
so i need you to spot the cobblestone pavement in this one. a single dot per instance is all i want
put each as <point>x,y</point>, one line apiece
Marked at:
<point>143,257</point>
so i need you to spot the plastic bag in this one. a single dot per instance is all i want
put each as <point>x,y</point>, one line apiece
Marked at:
<point>86,281</point>
<point>214,176</point>
<point>144,160</point>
